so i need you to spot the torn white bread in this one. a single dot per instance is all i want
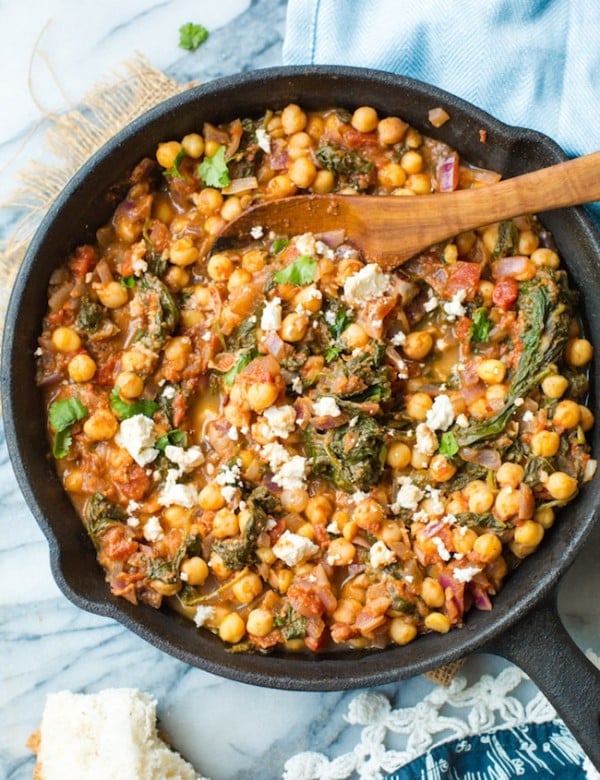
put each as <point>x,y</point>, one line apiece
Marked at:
<point>108,735</point>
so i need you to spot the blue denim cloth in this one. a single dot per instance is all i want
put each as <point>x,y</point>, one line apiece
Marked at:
<point>531,63</point>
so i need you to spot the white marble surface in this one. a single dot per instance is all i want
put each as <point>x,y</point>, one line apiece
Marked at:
<point>51,54</point>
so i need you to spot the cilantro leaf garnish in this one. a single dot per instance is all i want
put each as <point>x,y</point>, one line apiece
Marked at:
<point>191,36</point>
<point>127,281</point>
<point>448,444</point>
<point>175,437</point>
<point>279,244</point>
<point>174,169</point>
<point>124,409</point>
<point>63,415</point>
<point>481,326</point>
<point>300,272</point>
<point>214,171</point>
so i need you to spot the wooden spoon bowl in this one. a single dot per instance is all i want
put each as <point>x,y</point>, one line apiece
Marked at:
<point>389,229</point>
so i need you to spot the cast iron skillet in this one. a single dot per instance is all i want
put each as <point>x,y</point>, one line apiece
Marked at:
<point>523,625</point>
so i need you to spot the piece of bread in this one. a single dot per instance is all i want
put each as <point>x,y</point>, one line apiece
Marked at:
<point>109,735</point>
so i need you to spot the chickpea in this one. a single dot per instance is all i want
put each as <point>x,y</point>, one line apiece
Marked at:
<point>193,145</point>
<point>208,201</point>
<point>463,539</point>
<point>506,504</point>
<point>346,611</point>
<point>182,252</point>
<point>214,224</point>
<point>220,267</point>
<point>546,258</point>
<point>566,415</point>
<point>495,395</point>
<point>544,515</point>
<point>175,516</point>
<point>491,371</point>
<point>401,632</point>
<point>101,425</point>
<point>253,260</point>
<point>232,628</point>
<point>413,138</point>
<point>318,510</point>
<point>365,119</point>
<point>261,395</point>
<point>398,455</point>
<point>130,385</point>
<point>450,255</point>
<point>299,145</point>
<point>561,486</point>
<point>465,242</point>
<point>195,570</point>
<point>347,268</point>
<point>294,499</point>
<point>578,352</point>
<point>391,176</point>
<point>135,360</point>
<point>211,498</point>
<point>412,162</point>
<point>73,481</point>
<point>355,336</point>
<point>545,443</point>
<point>81,368</point>
<point>555,385</point>
<point>260,622</point>
<point>490,237</point>
<point>323,183</point>
<point>481,499</point>
<point>176,278</point>
<point>294,327</point>
<point>280,186</point>
<point>486,291</point>
<point>167,152</point>
<point>441,469</point>
<point>419,460</point>
<point>306,530</point>
<point>309,298</point>
<point>293,119</point>
<point>510,475</point>
<point>391,130</point>
<point>586,418</point>
<point>302,172</point>
<point>487,547</point>
<point>247,588</point>
<point>65,339</point>
<point>479,409</point>
<point>529,533</point>
<point>528,242</point>
<point>239,278</point>
<point>368,514</point>
<point>177,351</point>
<point>437,621</point>
<point>340,552</point>
<point>419,183</point>
<point>417,405</point>
<point>520,550</point>
<point>211,148</point>
<point>392,531</point>
<point>418,344</point>
<point>225,524</point>
<point>432,592</point>
<point>231,208</point>
<point>113,294</point>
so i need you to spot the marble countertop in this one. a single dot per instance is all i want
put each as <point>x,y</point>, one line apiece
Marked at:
<point>51,54</point>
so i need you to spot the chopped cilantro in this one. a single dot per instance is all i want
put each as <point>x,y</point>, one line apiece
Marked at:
<point>191,36</point>
<point>174,169</point>
<point>214,171</point>
<point>175,437</point>
<point>127,281</point>
<point>243,360</point>
<point>124,409</point>
<point>62,415</point>
<point>300,272</point>
<point>481,326</point>
<point>448,444</point>
<point>278,245</point>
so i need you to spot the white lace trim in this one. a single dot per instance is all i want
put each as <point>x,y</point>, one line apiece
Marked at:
<point>488,705</point>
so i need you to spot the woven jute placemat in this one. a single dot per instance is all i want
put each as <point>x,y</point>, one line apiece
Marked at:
<point>72,137</point>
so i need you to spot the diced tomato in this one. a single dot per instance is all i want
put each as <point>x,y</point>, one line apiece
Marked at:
<point>506,292</point>
<point>83,260</point>
<point>354,139</point>
<point>463,276</point>
<point>116,545</point>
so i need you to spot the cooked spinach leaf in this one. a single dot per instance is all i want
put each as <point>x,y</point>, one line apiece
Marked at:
<point>101,515</point>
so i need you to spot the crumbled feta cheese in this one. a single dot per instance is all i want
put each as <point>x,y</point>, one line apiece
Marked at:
<point>136,434</point>
<point>358,496</point>
<point>380,555</point>
<point>152,529</point>
<point>271,315</point>
<point>330,317</point>
<point>454,308</point>
<point>39,352</point>
<point>133,522</point>
<point>232,433</point>
<point>132,506</point>
<point>291,475</point>
<point>441,415</point>
<point>257,231</point>
<point>527,416</point>
<point>441,548</point>
<point>333,528</point>
<point>519,401</point>
<point>207,336</point>
<point>365,285</point>
<point>174,493</point>
<point>203,615</point>
<point>462,421</point>
<point>281,421</point>
<point>169,391</point>
<point>276,454</point>
<point>353,421</point>
<point>293,548</point>
<point>431,303</point>
<point>326,407</point>
<point>229,492</point>
<point>228,475</point>
<point>263,139</point>
<point>466,573</point>
<point>408,578</point>
<point>187,460</point>
<point>408,495</point>
<point>305,244</point>
<point>322,249</point>
<point>297,385</point>
<point>139,267</point>
<point>398,339</point>
<point>427,441</point>
<point>402,369</point>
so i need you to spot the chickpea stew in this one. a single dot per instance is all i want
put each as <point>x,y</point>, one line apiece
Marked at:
<point>293,447</point>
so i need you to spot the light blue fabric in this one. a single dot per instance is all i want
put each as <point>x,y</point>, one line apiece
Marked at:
<point>533,63</point>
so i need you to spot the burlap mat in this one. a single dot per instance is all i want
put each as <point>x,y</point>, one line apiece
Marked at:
<point>73,137</point>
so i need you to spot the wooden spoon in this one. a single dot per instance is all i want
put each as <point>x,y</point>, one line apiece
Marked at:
<point>391,229</point>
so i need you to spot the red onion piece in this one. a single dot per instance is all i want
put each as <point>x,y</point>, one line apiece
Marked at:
<point>489,459</point>
<point>514,266</point>
<point>448,173</point>
<point>333,238</point>
<point>274,344</point>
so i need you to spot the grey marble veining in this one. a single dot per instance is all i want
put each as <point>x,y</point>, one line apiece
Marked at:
<point>228,730</point>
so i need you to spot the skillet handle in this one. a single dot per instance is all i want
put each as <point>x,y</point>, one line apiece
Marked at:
<point>540,645</point>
